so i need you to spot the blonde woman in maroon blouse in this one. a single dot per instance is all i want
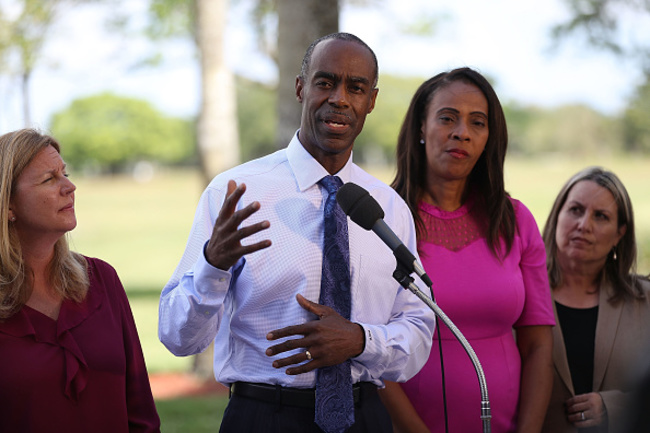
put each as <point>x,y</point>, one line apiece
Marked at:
<point>70,358</point>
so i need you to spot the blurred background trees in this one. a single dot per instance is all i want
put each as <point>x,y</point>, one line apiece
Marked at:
<point>572,129</point>
<point>599,22</point>
<point>21,40</point>
<point>636,121</point>
<point>109,133</point>
<point>239,119</point>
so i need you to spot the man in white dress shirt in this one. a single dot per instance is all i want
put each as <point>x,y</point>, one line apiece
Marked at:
<point>250,275</point>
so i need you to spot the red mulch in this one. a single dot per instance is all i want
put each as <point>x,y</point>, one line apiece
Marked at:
<point>165,386</point>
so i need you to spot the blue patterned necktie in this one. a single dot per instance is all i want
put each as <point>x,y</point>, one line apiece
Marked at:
<point>334,401</point>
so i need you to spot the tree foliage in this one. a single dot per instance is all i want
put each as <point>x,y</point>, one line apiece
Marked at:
<point>21,39</point>
<point>115,131</point>
<point>25,26</point>
<point>573,130</point>
<point>256,118</point>
<point>602,23</point>
<point>614,25</point>
<point>379,136</point>
<point>636,120</point>
<point>171,18</point>
<point>203,22</point>
<point>110,131</point>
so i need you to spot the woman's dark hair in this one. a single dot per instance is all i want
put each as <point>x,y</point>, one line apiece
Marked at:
<point>486,178</point>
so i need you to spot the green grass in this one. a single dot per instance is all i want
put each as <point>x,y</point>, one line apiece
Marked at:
<point>142,228</point>
<point>193,414</point>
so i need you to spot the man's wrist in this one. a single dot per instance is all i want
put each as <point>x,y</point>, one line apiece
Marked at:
<point>363,339</point>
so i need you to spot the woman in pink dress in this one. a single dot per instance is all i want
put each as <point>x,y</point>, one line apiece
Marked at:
<point>485,255</point>
<point>70,357</point>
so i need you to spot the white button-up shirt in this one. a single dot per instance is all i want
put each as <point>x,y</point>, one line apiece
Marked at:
<point>238,307</point>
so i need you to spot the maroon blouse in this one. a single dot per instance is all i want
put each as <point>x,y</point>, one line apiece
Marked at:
<point>84,372</point>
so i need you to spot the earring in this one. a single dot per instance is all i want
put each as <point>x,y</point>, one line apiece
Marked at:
<point>421,140</point>
<point>614,255</point>
<point>12,219</point>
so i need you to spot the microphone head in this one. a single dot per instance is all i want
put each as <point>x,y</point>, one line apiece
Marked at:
<point>359,205</point>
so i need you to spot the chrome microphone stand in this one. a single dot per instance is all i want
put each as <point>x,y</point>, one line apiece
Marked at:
<point>407,282</point>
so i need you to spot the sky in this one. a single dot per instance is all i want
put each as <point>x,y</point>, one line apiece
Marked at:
<point>507,40</point>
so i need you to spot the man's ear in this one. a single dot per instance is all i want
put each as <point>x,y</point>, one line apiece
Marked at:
<point>373,98</point>
<point>300,85</point>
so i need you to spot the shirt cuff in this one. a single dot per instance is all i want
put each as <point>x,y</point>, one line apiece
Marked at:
<point>210,280</point>
<point>373,345</point>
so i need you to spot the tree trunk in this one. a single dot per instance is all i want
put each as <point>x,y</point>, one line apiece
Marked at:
<point>300,22</point>
<point>217,134</point>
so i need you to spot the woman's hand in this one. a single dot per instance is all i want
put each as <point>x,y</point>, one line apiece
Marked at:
<point>586,410</point>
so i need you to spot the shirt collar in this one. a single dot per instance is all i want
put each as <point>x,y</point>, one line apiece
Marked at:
<point>307,170</point>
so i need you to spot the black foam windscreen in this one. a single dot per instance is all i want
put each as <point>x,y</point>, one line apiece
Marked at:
<point>359,205</point>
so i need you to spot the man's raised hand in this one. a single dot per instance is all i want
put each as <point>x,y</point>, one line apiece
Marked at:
<point>225,248</point>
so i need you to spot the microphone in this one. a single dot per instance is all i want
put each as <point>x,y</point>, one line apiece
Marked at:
<point>364,210</point>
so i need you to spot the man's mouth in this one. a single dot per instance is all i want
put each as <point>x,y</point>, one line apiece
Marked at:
<point>336,120</point>
<point>335,124</point>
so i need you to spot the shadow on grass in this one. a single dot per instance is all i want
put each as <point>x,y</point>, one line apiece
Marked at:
<point>200,414</point>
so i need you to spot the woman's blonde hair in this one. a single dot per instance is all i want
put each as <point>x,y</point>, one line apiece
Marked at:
<point>620,266</point>
<point>68,272</point>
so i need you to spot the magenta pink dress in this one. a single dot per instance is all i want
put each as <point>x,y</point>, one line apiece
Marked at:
<point>485,299</point>
<point>82,373</point>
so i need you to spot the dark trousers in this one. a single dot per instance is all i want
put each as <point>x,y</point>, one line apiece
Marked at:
<point>247,415</point>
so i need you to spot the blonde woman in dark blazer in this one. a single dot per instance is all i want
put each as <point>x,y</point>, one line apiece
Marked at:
<point>602,308</point>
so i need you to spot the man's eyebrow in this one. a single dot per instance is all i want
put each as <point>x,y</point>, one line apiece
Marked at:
<point>332,76</point>
<point>362,80</point>
<point>324,74</point>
